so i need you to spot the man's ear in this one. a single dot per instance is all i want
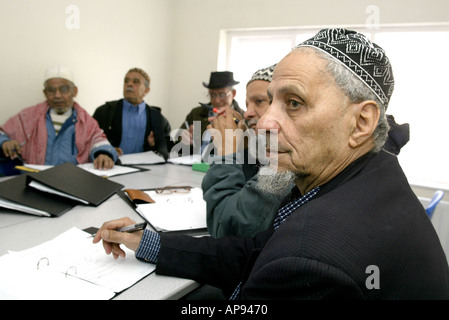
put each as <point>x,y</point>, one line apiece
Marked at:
<point>75,91</point>
<point>367,115</point>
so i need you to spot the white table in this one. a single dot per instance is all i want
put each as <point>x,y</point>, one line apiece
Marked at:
<point>21,231</point>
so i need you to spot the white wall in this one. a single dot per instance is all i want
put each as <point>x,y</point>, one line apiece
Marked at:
<point>113,36</point>
<point>197,24</point>
<point>175,41</point>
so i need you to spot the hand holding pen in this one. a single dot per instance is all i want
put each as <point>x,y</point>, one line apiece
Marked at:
<point>228,119</point>
<point>121,231</point>
<point>133,227</point>
<point>187,134</point>
<point>230,143</point>
<point>216,111</point>
<point>13,149</point>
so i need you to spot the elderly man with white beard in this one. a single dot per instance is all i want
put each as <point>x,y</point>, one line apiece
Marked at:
<point>235,206</point>
<point>352,228</point>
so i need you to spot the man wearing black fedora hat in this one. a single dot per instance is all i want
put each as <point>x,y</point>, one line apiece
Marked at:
<point>221,94</point>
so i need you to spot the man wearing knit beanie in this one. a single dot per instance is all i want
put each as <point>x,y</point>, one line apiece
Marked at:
<point>257,100</point>
<point>234,205</point>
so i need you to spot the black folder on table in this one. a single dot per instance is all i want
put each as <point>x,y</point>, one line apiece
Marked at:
<point>71,180</point>
<point>16,191</point>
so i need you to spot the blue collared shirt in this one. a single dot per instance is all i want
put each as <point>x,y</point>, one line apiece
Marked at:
<point>61,148</point>
<point>134,120</point>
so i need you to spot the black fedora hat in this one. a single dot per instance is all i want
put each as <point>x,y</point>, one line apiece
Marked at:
<point>220,79</point>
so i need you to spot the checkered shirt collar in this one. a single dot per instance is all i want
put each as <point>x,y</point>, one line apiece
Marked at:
<point>290,207</point>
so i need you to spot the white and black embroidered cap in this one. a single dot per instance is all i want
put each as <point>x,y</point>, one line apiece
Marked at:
<point>364,58</point>
<point>265,74</point>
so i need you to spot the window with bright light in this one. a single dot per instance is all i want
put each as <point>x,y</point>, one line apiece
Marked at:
<point>419,56</point>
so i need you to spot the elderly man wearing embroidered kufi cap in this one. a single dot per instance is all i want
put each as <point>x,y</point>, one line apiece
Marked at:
<point>57,130</point>
<point>351,227</point>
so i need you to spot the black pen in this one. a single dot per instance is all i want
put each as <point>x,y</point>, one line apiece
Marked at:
<point>18,155</point>
<point>129,229</point>
<point>133,227</point>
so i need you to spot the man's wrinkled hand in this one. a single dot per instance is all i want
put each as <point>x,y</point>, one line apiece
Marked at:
<point>11,149</point>
<point>103,162</point>
<point>112,238</point>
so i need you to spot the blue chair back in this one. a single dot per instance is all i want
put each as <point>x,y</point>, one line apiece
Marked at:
<point>437,196</point>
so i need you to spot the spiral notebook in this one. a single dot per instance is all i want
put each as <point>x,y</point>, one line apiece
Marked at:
<point>68,267</point>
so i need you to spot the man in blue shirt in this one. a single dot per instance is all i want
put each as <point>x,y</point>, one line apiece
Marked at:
<point>130,124</point>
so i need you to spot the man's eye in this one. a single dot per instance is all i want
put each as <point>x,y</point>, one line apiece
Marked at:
<point>294,104</point>
<point>64,89</point>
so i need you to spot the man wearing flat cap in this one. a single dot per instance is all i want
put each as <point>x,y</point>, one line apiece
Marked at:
<point>221,94</point>
<point>57,130</point>
<point>351,227</point>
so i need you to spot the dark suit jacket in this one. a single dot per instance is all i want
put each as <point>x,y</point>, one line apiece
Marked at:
<point>109,117</point>
<point>367,216</point>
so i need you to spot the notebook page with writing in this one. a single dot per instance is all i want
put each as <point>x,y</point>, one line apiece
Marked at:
<point>73,254</point>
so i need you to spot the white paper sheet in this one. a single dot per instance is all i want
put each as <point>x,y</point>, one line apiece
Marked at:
<point>42,187</point>
<point>175,211</point>
<point>186,160</point>
<point>41,271</point>
<point>16,206</point>
<point>148,157</point>
<point>114,171</point>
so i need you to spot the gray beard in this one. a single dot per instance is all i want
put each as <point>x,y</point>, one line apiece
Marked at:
<point>275,183</point>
